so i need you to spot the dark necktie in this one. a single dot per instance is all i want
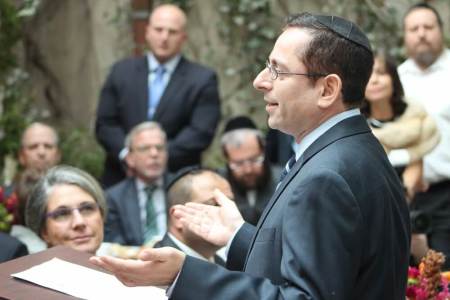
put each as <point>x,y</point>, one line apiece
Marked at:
<point>156,89</point>
<point>151,228</point>
<point>287,168</point>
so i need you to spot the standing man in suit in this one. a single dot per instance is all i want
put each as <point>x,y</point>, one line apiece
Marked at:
<point>425,76</point>
<point>196,185</point>
<point>137,210</point>
<point>337,227</point>
<point>253,179</point>
<point>162,86</point>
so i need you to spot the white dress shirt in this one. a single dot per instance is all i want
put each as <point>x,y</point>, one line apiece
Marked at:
<point>430,88</point>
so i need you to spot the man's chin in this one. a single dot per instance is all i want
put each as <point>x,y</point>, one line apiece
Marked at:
<point>425,59</point>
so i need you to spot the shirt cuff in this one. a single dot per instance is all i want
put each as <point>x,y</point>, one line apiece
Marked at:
<point>227,247</point>
<point>169,290</point>
<point>399,157</point>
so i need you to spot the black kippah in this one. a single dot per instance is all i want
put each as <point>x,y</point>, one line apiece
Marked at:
<point>181,173</point>
<point>345,28</point>
<point>239,122</point>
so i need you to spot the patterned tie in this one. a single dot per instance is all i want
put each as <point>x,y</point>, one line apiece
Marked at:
<point>288,167</point>
<point>151,228</point>
<point>156,89</point>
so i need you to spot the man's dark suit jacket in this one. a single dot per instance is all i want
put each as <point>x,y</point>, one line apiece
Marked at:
<point>11,248</point>
<point>188,111</point>
<point>123,221</point>
<point>168,242</point>
<point>336,228</point>
<point>251,214</point>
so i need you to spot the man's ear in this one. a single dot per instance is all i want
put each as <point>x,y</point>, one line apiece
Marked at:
<point>174,221</point>
<point>129,160</point>
<point>331,90</point>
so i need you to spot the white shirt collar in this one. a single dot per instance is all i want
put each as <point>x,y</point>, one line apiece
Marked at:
<point>324,127</point>
<point>188,250</point>
<point>441,62</point>
<point>169,65</point>
<point>140,184</point>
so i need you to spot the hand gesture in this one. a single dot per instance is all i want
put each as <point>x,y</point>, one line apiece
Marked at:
<point>157,267</point>
<point>215,224</point>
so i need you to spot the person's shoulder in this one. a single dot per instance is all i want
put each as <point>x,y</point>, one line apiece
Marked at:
<point>129,63</point>
<point>406,66</point>
<point>120,187</point>
<point>11,247</point>
<point>446,55</point>
<point>196,66</point>
<point>414,108</point>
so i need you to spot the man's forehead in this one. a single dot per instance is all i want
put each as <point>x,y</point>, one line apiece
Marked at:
<point>289,45</point>
<point>149,134</point>
<point>39,134</point>
<point>420,16</point>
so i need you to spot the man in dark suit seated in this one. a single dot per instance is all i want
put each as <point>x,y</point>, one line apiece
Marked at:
<point>137,210</point>
<point>192,185</point>
<point>252,178</point>
<point>162,86</point>
<point>337,226</point>
<point>11,248</point>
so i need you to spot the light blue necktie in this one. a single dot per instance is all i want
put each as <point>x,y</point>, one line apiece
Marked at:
<point>156,89</point>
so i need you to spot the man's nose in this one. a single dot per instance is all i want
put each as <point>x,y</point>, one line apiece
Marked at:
<point>422,32</point>
<point>262,81</point>
<point>41,150</point>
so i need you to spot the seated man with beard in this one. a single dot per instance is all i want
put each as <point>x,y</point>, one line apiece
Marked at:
<point>192,184</point>
<point>252,178</point>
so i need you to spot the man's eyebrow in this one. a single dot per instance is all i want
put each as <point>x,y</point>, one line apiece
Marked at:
<point>278,63</point>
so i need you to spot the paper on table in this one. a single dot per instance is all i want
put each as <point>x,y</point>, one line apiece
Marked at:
<point>85,283</point>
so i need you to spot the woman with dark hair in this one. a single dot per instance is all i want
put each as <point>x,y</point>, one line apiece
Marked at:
<point>404,129</point>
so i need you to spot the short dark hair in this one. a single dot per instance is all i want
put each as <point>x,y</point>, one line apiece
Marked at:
<point>425,6</point>
<point>397,100</point>
<point>330,53</point>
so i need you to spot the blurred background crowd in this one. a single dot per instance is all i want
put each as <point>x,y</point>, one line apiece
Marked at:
<point>127,110</point>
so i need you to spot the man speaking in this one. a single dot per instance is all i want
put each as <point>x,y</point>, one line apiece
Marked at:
<point>337,227</point>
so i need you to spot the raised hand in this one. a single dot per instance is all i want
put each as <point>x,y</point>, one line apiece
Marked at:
<point>216,224</point>
<point>156,267</point>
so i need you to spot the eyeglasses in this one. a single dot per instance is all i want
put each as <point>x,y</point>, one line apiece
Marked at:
<point>274,72</point>
<point>254,161</point>
<point>65,214</point>
<point>146,148</point>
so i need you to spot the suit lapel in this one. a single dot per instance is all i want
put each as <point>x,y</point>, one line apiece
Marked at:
<point>142,87</point>
<point>351,126</point>
<point>173,87</point>
<point>168,242</point>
